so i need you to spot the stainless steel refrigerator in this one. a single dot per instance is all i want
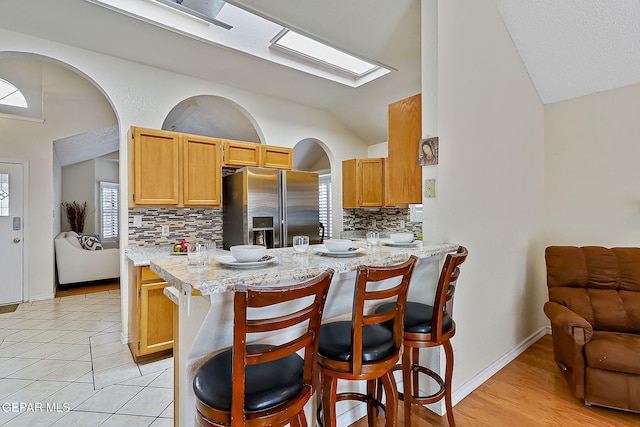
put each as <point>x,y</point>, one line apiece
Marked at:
<point>269,206</point>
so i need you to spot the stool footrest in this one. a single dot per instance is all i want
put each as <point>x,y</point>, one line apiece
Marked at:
<point>434,397</point>
<point>352,396</point>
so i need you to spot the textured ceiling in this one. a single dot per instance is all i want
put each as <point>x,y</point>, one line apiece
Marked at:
<point>577,47</point>
<point>87,145</point>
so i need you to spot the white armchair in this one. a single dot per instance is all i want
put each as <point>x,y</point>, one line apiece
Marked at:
<point>76,264</point>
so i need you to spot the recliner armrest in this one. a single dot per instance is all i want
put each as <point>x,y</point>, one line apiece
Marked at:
<point>569,322</point>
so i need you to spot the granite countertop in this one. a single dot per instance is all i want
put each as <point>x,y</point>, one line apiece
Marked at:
<point>141,256</point>
<point>287,267</point>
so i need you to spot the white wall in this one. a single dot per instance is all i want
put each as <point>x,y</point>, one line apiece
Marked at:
<point>378,150</point>
<point>490,188</point>
<point>81,182</point>
<point>592,174</point>
<point>140,96</point>
<point>78,184</point>
<point>57,195</point>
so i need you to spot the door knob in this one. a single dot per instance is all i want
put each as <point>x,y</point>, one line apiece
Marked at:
<point>16,240</point>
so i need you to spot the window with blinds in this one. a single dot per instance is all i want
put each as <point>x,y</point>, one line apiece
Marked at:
<point>324,182</point>
<point>109,209</point>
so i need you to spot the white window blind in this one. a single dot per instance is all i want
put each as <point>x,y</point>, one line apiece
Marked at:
<point>324,182</point>
<point>109,206</point>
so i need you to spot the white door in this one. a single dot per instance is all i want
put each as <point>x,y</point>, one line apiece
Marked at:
<point>11,233</point>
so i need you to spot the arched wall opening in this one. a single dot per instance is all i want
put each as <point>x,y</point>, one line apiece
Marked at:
<point>313,155</point>
<point>74,110</point>
<point>215,116</point>
<point>205,115</point>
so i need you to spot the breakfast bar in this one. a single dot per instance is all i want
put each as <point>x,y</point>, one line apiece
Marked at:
<point>203,311</point>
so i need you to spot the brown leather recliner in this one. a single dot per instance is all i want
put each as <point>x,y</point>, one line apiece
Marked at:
<point>594,308</point>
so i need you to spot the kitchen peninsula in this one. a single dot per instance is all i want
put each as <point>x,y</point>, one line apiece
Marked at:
<point>203,312</point>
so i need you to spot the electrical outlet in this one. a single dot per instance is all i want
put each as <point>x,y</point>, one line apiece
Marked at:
<point>429,188</point>
<point>373,222</point>
<point>137,220</point>
<point>402,223</point>
<point>165,230</point>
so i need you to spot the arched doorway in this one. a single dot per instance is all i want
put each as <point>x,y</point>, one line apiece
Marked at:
<point>56,88</point>
<point>311,155</point>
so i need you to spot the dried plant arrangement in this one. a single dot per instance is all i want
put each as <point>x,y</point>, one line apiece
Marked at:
<point>76,215</point>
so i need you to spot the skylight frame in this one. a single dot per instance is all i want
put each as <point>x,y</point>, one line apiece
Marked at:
<point>276,43</point>
<point>157,12</point>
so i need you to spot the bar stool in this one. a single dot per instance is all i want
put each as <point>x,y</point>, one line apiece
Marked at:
<point>259,384</point>
<point>429,326</point>
<point>362,348</point>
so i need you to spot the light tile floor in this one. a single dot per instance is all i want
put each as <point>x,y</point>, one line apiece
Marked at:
<point>62,364</point>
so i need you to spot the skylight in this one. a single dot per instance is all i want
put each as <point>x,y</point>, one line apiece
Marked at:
<point>246,32</point>
<point>11,96</point>
<point>313,49</point>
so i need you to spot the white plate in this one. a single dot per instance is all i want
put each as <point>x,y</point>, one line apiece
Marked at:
<point>322,250</point>
<point>179,253</point>
<point>390,242</point>
<point>230,261</point>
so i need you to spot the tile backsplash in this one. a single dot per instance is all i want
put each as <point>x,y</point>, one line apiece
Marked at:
<point>387,219</point>
<point>205,224</point>
<point>190,224</point>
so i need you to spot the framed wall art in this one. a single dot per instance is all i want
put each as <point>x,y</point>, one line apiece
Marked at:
<point>428,151</point>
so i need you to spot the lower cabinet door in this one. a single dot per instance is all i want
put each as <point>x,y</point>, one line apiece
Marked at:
<point>156,319</point>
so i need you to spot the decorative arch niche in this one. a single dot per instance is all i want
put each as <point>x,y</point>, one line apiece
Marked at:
<point>213,116</point>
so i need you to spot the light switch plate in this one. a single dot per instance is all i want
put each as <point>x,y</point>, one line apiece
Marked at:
<point>165,230</point>
<point>429,188</point>
<point>137,220</point>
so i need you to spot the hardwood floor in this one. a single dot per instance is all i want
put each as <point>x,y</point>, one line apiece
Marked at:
<point>88,289</point>
<point>530,391</point>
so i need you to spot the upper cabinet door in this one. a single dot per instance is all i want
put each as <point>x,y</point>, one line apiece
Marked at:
<point>156,167</point>
<point>372,182</point>
<point>202,171</point>
<point>276,157</point>
<point>241,154</point>
<point>363,183</point>
<point>405,131</point>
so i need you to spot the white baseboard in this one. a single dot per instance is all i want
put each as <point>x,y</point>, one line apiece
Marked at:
<point>475,382</point>
<point>124,339</point>
<point>352,415</point>
<point>359,411</point>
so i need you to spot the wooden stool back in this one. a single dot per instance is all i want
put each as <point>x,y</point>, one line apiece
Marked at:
<point>313,294</point>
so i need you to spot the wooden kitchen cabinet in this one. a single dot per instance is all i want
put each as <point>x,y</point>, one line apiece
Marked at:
<point>363,183</point>
<point>155,165</point>
<point>405,131</point>
<point>202,171</point>
<point>174,169</point>
<point>272,156</point>
<point>241,154</point>
<point>150,316</point>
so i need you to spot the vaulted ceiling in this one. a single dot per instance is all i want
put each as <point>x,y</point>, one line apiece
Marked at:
<point>569,48</point>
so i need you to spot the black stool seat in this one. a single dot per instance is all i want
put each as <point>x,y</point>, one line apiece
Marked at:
<point>417,317</point>
<point>362,348</point>
<point>428,326</point>
<point>335,342</point>
<point>267,384</point>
